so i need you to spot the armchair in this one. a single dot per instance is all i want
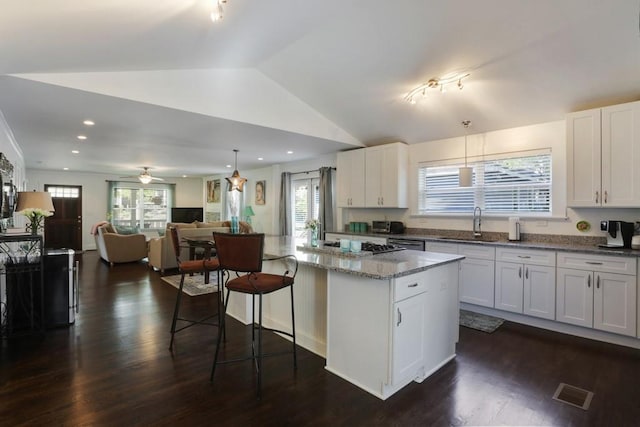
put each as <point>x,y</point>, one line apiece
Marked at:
<point>117,248</point>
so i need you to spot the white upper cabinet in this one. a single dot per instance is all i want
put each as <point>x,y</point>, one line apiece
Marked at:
<point>374,177</point>
<point>350,179</point>
<point>386,176</point>
<point>603,151</point>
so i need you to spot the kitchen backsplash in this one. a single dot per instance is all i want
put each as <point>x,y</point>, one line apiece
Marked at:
<point>557,239</point>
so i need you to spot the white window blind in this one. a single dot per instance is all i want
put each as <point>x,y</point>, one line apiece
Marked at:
<point>516,183</point>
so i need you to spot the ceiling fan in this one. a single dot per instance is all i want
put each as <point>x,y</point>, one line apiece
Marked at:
<point>145,176</point>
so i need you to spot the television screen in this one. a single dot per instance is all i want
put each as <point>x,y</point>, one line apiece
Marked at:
<point>187,214</point>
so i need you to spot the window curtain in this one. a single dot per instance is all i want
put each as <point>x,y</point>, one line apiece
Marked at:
<point>325,216</point>
<point>285,204</point>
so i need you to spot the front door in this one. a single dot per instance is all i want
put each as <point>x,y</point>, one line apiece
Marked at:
<point>64,228</point>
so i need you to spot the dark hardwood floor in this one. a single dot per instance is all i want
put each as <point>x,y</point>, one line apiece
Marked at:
<point>113,368</point>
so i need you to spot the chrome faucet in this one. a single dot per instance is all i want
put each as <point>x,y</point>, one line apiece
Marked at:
<point>477,221</point>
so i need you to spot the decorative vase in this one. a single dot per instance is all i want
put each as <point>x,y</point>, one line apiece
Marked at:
<point>33,225</point>
<point>314,237</point>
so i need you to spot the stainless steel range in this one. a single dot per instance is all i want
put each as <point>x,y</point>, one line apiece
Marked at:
<point>370,247</point>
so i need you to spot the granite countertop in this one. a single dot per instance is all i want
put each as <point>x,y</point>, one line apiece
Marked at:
<point>587,245</point>
<point>379,266</point>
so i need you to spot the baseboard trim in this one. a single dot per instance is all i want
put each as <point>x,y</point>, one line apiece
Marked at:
<point>555,326</point>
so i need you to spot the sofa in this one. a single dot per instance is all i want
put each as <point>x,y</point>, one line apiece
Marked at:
<point>117,248</point>
<point>161,254</point>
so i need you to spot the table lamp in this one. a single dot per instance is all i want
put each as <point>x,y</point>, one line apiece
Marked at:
<point>35,205</point>
<point>248,213</point>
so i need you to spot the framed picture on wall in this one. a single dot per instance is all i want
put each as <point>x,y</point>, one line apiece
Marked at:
<point>213,191</point>
<point>261,192</point>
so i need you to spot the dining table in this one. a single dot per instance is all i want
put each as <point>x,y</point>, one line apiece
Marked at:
<point>206,243</point>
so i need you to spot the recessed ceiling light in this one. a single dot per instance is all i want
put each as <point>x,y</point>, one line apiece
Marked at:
<point>260,158</point>
<point>89,122</point>
<point>184,176</point>
<point>228,166</point>
<point>75,151</point>
<point>65,169</point>
<point>289,152</point>
<point>82,137</point>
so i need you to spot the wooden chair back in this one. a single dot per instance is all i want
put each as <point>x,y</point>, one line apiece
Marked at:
<point>240,252</point>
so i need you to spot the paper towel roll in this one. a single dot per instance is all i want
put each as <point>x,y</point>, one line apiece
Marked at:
<point>514,228</point>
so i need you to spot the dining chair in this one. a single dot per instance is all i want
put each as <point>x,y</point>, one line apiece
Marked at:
<point>203,266</point>
<point>241,257</point>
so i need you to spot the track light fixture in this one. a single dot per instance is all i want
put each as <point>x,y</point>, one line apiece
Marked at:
<point>439,84</point>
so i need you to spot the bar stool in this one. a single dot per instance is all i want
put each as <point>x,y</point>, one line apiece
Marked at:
<point>190,267</point>
<point>243,253</point>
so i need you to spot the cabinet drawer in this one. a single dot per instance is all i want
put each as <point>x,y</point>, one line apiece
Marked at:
<point>526,256</point>
<point>477,251</point>
<point>445,248</point>
<point>408,286</point>
<point>608,264</point>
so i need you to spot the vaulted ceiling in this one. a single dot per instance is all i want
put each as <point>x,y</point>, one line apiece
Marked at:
<point>172,90</point>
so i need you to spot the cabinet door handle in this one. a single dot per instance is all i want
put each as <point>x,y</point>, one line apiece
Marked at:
<point>524,256</point>
<point>76,284</point>
<point>598,282</point>
<point>526,273</point>
<point>520,272</point>
<point>593,262</point>
<point>589,281</point>
<point>382,201</point>
<point>597,201</point>
<point>413,285</point>
<point>399,317</point>
<point>605,196</point>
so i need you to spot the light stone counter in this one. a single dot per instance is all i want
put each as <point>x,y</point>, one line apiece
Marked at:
<point>379,266</point>
<point>373,282</point>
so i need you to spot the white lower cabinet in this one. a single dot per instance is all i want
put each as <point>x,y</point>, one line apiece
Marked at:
<point>477,274</point>
<point>597,296</point>
<point>383,334</point>
<point>540,291</point>
<point>525,282</point>
<point>408,336</point>
<point>574,297</point>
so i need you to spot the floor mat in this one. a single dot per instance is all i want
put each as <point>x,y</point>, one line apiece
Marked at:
<point>481,322</point>
<point>194,285</point>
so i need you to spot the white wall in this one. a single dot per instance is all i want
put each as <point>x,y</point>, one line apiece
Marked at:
<point>94,194</point>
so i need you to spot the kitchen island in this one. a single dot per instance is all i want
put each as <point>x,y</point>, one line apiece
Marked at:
<point>381,321</point>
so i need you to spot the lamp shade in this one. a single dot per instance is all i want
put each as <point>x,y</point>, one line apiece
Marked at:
<point>465,176</point>
<point>35,200</point>
<point>248,211</point>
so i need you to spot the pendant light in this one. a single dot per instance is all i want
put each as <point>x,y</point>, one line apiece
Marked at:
<point>236,182</point>
<point>465,174</point>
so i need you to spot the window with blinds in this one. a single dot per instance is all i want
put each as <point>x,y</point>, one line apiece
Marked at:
<point>508,185</point>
